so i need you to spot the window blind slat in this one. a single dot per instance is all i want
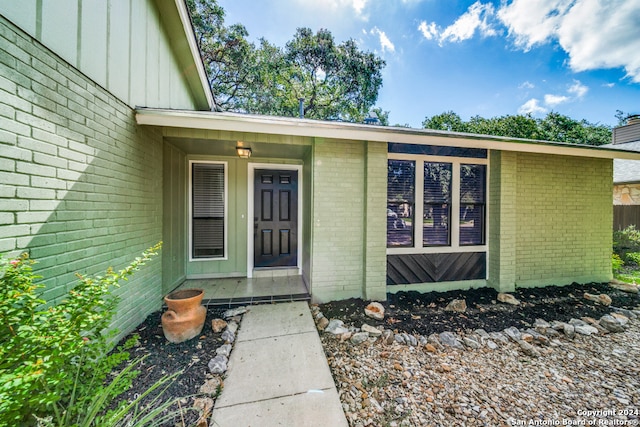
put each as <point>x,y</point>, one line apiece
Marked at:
<point>208,209</point>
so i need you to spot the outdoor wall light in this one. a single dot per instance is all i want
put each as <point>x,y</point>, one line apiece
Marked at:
<point>243,152</point>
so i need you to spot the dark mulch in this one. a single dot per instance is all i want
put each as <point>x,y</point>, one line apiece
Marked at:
<point>164,358</point>
<point>423,313</point>
<point>411,312</point>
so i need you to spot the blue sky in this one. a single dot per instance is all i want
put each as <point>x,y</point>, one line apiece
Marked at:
<point>580,58</point>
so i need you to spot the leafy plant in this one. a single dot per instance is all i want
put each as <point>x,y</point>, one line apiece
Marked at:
<point>53,359</point>
<point>616,263</point>
<point>627,240</point>
<point>633,258</point>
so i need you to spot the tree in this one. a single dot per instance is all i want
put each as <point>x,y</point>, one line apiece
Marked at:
<point>554,127</point>
<point>335,81</point>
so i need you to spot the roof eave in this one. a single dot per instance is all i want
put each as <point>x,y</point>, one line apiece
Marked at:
<point>352,131</point>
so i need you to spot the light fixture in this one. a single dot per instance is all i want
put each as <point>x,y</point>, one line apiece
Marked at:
<point>243,152</point>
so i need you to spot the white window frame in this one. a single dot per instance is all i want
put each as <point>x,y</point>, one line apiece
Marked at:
<point>418,212</point>
<point>225,257</point>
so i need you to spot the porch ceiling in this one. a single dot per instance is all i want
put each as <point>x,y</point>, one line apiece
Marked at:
<point>211,147</point>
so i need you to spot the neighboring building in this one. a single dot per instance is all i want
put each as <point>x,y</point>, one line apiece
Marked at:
<point>107,146</point>
<point>626,175</point>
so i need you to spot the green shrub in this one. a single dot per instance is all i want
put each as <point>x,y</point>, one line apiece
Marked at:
<point>633,258</point>
<point>616,263</point>
<point>53,359</point>
<point>625,241</point>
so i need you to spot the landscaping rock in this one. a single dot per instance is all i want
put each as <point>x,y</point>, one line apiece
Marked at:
<point>359,337</point>
<point>602,299</point>
<point>322,324</point>
<point>631,288</point>
<point>375,310</point>
<point>372,331</point>
<point>224,350</point>
<point>218,365</point>
<point>457,305</point>
<point>218,325</point>
<point>513,333</point>
<point>528,349</point>
<point>613,324</point>
<point>336,327</point>
<point>228,336</point>
<point>450,339</point>
<point>387,337</point>
<point>235,312</point>
<point>508,299</point>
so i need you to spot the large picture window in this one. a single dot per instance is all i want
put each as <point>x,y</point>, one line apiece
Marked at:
<point>472,204</point>
<point>435,202</point>
<point>208,207</point>
<point>401,177</point>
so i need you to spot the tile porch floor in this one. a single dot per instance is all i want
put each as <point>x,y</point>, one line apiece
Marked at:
<point>241,290</point>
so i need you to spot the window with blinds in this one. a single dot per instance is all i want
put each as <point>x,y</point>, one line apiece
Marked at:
<point>472,204</point>
<point>208,210</point>
<point>401,177</point>
<point>437,204</point>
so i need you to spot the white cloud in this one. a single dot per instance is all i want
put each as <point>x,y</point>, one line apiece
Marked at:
<point>578,89</point>
<point>526,85</point>
<point>532,107</point>
<point>474,20</point>
<point>429,31</point>
<point>553,100</point>
<point>335,6</point>
<point>385,43</point>
<point>609,85</point>
<point>595,34</point>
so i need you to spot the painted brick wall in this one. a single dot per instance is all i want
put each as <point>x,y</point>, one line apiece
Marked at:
<point>80,183</point>
<point>502,220</point>
<point>564,220</point>
<point>338,226</point>
<point>375,243</point>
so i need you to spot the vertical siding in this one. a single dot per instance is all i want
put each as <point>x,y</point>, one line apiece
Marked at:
<point>81,183</point>
<point>175,218</point>
<point>119,44</point>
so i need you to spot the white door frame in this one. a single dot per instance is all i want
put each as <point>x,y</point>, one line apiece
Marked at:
<point>250,210</point>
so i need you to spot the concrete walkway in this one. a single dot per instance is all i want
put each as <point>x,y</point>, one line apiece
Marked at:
<point>278,374</point>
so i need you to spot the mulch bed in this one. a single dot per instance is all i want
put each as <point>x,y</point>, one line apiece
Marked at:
<point>424,314</point>
<point>411,312</point>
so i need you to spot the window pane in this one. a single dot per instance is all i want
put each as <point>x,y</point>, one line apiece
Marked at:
<point>472,204</point>
<point>437,204</point>
<point>401,176</point>
<point>207,210</point>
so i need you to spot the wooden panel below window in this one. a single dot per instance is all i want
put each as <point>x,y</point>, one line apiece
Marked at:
<point>432,268</point>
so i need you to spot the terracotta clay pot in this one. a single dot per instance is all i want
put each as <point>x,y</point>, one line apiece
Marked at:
<point>185,315</point>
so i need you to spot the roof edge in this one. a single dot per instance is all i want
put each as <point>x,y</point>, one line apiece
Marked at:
<point>355,131</point>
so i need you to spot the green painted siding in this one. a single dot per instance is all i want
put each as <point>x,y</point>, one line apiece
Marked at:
<point>564,220</point>
<point>81,183</point>
<point>174,260</point>
<point>121,45</point>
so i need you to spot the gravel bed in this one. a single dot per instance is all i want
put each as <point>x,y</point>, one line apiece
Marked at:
<point>540,377</point>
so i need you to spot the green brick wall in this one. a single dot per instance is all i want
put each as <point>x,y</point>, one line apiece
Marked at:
<point>80,182</point>
<point>349,221</point>
<point>564,219</point>
<point>550,220</point>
